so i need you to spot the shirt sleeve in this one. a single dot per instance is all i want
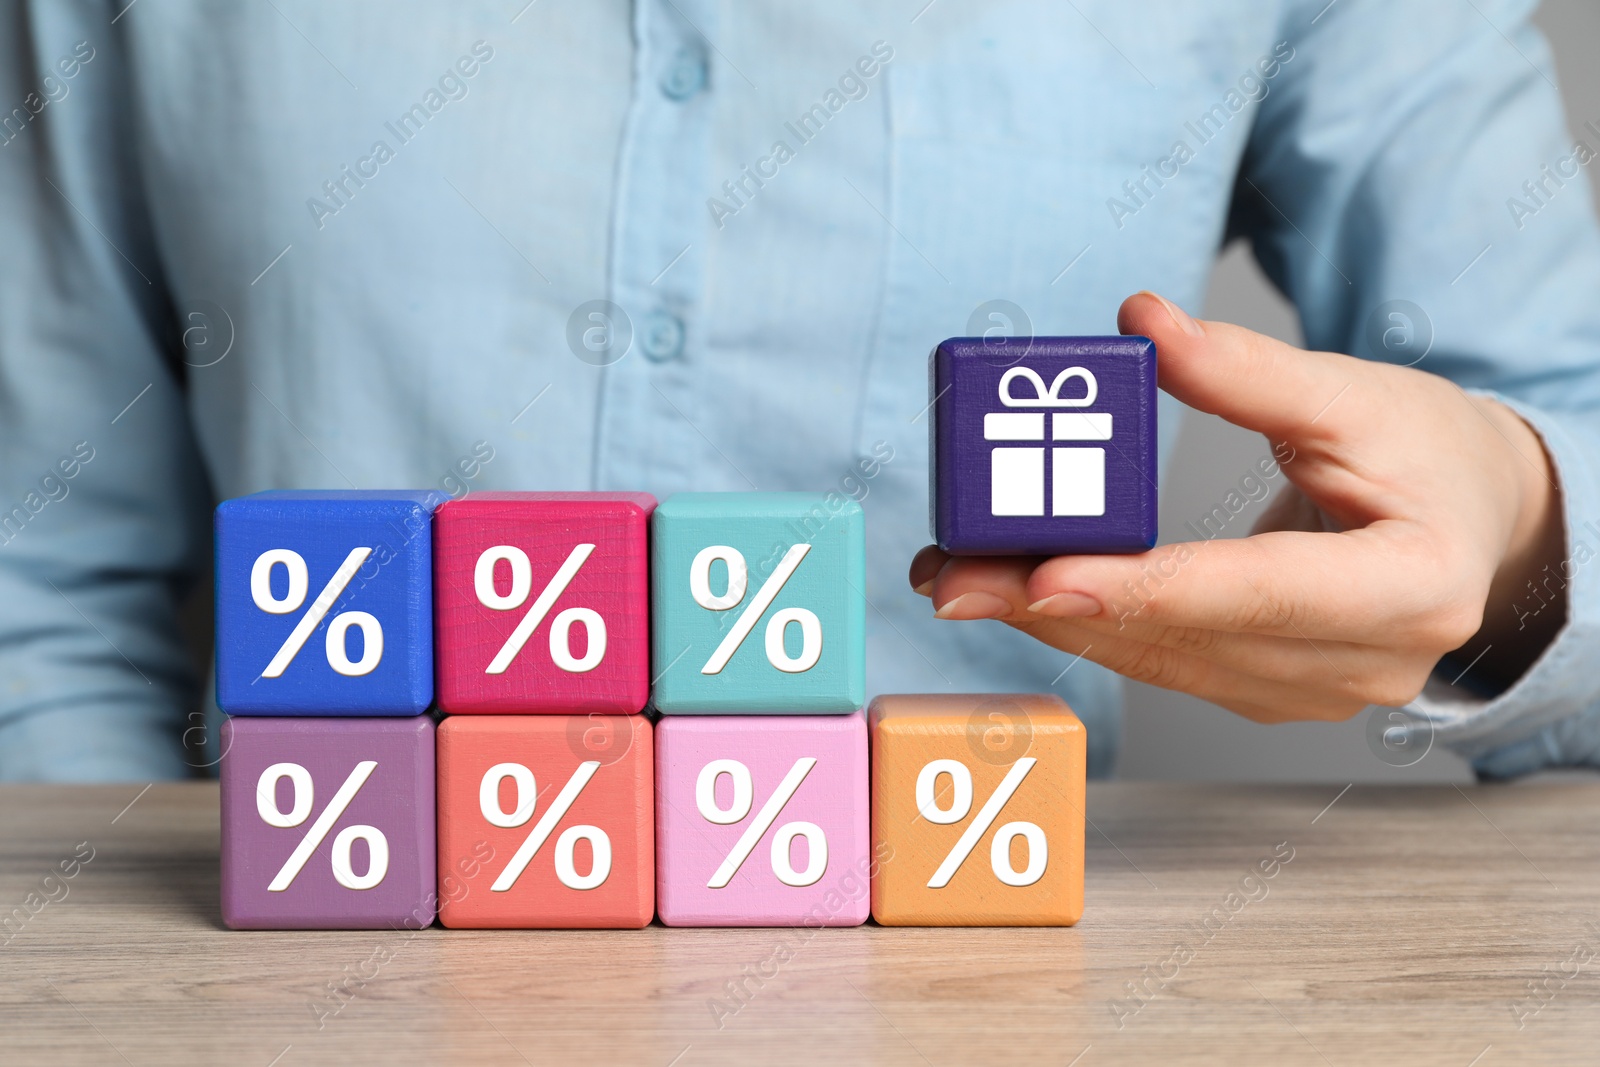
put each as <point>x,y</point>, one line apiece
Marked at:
<point>103,502</point>
<point>1411,184</point>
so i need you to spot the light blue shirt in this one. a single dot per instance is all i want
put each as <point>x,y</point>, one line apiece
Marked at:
<point>253,245</point>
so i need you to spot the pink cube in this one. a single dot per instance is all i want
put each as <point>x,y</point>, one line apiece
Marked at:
<point>762,821</point>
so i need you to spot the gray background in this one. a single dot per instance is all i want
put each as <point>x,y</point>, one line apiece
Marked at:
<point>1173,736</point>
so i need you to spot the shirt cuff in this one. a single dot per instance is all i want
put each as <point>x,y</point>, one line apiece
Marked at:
<point>1550,717</point>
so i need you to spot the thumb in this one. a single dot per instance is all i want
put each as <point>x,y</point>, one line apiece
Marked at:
<point>1245,377</point>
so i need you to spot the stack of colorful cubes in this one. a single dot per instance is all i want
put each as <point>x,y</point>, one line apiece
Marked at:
<point>588,710</point>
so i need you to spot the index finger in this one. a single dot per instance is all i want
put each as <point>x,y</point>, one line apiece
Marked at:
<point>1367,585</point>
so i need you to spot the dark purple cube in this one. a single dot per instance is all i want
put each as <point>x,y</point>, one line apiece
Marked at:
<point>1044,446</point>
<point>328,823</point>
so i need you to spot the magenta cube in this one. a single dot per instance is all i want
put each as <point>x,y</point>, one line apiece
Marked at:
<point>328,823</point>
<point>762,821</point>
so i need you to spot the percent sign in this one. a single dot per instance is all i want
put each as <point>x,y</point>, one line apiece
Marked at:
<point>300,810</point>
<point>705,798</point>
<point>295,596</point>
<point>738,579</point>
<point>527,797</point>
<point>560,627</point>
<point>961,804</point>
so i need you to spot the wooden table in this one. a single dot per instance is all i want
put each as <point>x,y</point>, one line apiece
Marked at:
<point>1406,927</point>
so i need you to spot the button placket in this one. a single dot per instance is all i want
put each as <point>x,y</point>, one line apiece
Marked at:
<point>645,437</point>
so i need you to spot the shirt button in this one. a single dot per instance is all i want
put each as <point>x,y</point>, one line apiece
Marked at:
<point>661,337</point>
<point>685,75</point>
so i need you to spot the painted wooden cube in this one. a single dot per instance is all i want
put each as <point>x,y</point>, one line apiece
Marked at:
<point>762,821</point>
<point>546,821</point>
<point>327,823</point>
<point>977,811</point>
<point>757,604</point>
<point>542,601</point>
<point>324,603</point>
<point>1046,453</point>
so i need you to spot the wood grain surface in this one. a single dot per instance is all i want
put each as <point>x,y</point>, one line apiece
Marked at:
<point>1407,927</point>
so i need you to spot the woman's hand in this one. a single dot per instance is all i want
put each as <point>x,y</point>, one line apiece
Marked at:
<point>1414,517</point>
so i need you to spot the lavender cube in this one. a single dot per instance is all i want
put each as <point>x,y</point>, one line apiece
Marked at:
<point>328,823</point>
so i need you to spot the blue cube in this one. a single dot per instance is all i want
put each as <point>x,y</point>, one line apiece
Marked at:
<point>324,603</point>
<point>758,604</point>
<point>1045,448</point>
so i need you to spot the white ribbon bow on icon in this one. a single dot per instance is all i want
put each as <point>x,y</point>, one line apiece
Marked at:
<point>1052,398</point>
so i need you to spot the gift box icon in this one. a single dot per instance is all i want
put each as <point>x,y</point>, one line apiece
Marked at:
<point>1077,473</point>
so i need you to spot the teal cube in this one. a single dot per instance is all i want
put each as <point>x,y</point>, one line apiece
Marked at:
<point>758,604</point>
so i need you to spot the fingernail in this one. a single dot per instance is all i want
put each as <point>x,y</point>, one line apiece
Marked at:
<point>1066,606</point>
<point>925,567</point>
<point>1180,317</point>
<point>969,606</point>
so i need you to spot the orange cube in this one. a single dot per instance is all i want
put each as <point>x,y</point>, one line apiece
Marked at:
<point>546,821</point>
<point>977,810</point>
